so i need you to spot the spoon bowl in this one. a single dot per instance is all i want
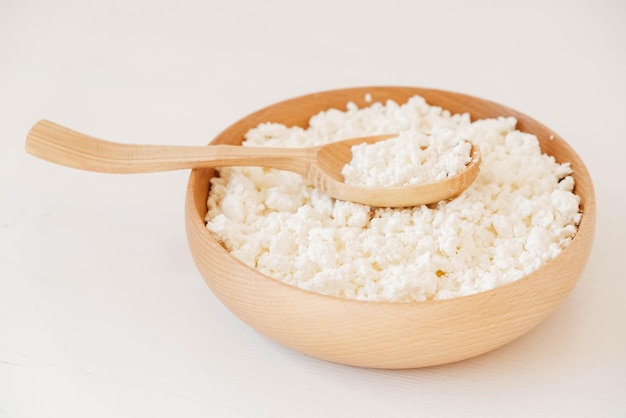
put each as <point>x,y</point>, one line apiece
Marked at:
<point>321,166</point>
<point>331,158</point>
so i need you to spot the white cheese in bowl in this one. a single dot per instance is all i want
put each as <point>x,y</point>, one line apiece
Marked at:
<point>410,158</point>
<point>519,212</point>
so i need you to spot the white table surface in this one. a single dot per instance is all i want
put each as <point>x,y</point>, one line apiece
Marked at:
<point>102,310</point>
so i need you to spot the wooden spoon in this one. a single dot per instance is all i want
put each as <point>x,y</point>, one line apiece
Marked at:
<point>321,166</point>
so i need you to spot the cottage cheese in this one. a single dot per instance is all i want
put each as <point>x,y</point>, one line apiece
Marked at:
<point>519,212</point>
<point>410,158</point>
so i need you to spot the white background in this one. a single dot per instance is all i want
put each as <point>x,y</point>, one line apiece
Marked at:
<point>102,311</point>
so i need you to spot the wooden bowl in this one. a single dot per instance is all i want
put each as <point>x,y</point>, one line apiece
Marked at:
<point>385,334</point>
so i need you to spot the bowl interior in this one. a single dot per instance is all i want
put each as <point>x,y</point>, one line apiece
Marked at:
<point>380,334</point>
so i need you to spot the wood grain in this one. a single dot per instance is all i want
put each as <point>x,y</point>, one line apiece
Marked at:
<point>380,334</point>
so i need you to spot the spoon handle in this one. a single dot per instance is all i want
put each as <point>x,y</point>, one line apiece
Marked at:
<point>60,145</point>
